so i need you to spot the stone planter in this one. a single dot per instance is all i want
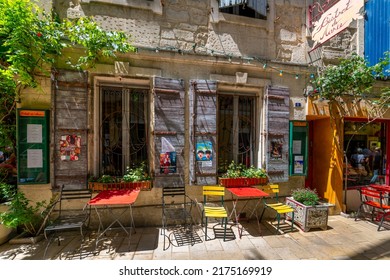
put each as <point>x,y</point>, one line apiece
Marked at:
<point>242,182</point>
<point>5,232</point>
<point>308,217</point>
<point>143,186</point>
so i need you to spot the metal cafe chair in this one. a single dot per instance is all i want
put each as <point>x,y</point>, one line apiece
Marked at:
<point>176,214</point>
<point>65,217</point>
<point>216,209</point>
<point>281,209</point>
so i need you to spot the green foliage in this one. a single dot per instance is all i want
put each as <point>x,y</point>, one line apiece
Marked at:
<point>7,191</point>
<point>236,170</point>
<point>305,196</point>
<point>21,214</point>
<point>31,40</point>
<point>352,77</point>
<point>106,179</point>
<point>136,174</point>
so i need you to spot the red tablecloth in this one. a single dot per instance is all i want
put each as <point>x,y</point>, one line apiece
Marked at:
<point>247,192</point>
<point>115,197</point>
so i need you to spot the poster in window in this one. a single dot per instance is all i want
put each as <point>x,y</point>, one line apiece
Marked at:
<point>34,158</point>
<point>298,164</point>
<point>34,133</point>
<point>297,146</point>
<point>70,147</point>
<point>276,150</point>
<point>204,151</point>
<point>168,162</point>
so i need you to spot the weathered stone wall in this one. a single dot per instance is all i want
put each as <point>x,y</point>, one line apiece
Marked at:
<point>188,39</point>
<point>198,26</point>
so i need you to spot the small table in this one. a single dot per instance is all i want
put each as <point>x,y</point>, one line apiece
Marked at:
<point>110,200</point>
<point>245,194</point>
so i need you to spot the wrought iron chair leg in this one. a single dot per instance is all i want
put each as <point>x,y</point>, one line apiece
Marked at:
<point>206,225</point>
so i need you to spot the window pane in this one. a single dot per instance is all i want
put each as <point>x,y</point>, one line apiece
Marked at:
<point>245,139</point>
<point>225,131</point>
<point>123,129</point>
<point>235,143</point>
<point>112,131</point>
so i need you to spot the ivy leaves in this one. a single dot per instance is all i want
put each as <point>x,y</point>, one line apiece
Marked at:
<point>32,41</point>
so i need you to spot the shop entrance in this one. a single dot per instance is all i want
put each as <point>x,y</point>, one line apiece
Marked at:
<point>365,153</point>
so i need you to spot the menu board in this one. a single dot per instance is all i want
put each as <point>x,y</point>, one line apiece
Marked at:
<point>33,146</point>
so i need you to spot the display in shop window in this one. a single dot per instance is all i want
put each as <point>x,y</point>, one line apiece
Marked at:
<point>298,165</point>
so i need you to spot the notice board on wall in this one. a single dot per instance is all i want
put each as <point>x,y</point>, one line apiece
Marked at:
<point>33,146</point>
<point>298,148</point>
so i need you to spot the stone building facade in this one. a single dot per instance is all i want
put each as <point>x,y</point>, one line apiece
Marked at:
<point>231,79</point>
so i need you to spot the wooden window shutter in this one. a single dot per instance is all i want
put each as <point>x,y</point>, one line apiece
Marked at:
<point>203,131</point>
<point>277,114</point>
<point>168,127</point>
<point>70,106</point>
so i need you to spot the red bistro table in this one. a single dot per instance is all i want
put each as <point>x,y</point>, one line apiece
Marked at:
<point>110,200</point>
<point>245,194</point>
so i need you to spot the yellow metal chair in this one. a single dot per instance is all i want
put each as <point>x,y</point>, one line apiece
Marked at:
<point>278,207</point>
<point>216,209</point>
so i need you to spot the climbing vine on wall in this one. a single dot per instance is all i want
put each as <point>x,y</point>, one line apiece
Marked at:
<point>31,41</point>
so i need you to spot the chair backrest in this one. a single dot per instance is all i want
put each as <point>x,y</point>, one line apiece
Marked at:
<point>272,190</point>
<point>73,194</point>
<point>213,191</point>
<point>169,193</point>
<point>371,196</point>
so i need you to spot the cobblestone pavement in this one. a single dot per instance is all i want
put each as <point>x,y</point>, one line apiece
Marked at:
<point>345,238</point>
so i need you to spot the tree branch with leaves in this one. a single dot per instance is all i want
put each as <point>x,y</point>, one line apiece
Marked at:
<point>350,83</point>
<point>31,42</point>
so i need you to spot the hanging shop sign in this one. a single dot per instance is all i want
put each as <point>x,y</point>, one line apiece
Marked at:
<point>335,20</point>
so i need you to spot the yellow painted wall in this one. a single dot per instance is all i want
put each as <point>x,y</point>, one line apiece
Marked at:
<point>327,173</point>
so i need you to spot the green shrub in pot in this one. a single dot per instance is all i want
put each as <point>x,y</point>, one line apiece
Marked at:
<point>306,196</point>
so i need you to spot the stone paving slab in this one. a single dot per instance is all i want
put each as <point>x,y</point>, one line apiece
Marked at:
<point>345,239</point>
